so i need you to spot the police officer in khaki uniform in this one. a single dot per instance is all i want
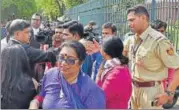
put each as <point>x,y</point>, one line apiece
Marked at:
<point>151,54</point>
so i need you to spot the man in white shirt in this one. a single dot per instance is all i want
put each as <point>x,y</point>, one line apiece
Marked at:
<point>3,43</point>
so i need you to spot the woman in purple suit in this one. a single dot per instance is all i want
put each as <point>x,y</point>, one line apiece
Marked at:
<point>67,86</point>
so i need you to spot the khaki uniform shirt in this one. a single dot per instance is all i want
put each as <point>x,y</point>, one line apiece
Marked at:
<point>151,55</point>
<point>127,42</point>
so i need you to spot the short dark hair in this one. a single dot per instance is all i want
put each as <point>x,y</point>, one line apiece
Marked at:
<point>36,14</point>
<point>78,47</point>
<point>66,24</point>
<point>138,10</point>
<point>74,27</point>
<point>7,30</point>
<point>59,26</point>
<point>17,25</point>
<point>92,22</point>
<point>113,47</point>
<point>110,25</point>
<point>157,24</point>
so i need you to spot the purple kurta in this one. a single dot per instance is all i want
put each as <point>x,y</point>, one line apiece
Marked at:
<point>57,93</point>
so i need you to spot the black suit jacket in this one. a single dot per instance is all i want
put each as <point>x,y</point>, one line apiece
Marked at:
<point>33,42</point>
<point>20,98</point>
<point>36,55</point>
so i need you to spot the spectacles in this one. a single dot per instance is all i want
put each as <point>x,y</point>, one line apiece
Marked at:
<point>58,32</point>
<point>68,60</point>
<point>35,19</point>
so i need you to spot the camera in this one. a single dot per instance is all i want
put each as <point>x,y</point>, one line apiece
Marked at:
<point>45,37</point>
<point>89,35</point>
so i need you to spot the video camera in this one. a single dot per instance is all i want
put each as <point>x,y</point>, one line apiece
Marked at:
<point>45,37</point>
<point>90,34</point>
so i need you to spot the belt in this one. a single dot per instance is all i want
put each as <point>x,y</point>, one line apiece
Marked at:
<point>145,84</point>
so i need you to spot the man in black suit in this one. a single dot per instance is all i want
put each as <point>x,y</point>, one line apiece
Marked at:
<point>35,24</point>
<point>19,30</point>
<point>35,28</point>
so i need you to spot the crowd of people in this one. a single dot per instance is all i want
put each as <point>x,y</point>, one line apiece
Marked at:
<point>74,68</point>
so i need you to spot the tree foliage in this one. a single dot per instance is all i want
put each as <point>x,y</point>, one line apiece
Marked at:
<point>54,8</point>
<point>49,8</point>
<point>22,8</point>
<point>140,1</point>
<point>71,3</point>
<point>25,8</point>
<point>6,3</point>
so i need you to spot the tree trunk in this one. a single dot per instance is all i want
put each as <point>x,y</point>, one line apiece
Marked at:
<point>60,6</point>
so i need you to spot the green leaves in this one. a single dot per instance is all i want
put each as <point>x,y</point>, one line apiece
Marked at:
<point>71,3</point>
<point>55,8</point>
<point>25,8</point>
<point>50,8</point>
<point>6,3</point>
<point>21,8</point>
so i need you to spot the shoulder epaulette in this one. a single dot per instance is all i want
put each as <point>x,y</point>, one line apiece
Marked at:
<point>157,36</point>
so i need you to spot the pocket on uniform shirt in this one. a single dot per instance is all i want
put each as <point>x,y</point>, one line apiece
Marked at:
<point>144,58</point>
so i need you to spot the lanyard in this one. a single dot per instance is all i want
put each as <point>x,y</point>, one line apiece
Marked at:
<point>134,51</point>
<point>135,48</point>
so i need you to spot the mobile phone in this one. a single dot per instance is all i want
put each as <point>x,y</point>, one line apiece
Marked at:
<point>154,103</point>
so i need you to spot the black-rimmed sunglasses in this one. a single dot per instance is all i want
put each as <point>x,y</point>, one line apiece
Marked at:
<point>68,60</point>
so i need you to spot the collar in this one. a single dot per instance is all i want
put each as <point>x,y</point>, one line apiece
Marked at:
<point>109,64</point>
<point>76,79</point>
<point>144,35</point>
<point>36,29</point>
<point>16,41</point>
<point>112,62</point>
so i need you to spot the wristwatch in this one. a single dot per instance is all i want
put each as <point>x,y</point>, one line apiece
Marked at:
<point>170,93</point>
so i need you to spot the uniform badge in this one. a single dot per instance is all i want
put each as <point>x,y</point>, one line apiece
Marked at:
<point>170,51</point>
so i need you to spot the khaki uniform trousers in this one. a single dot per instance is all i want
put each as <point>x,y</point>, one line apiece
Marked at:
<point>142,97</point>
